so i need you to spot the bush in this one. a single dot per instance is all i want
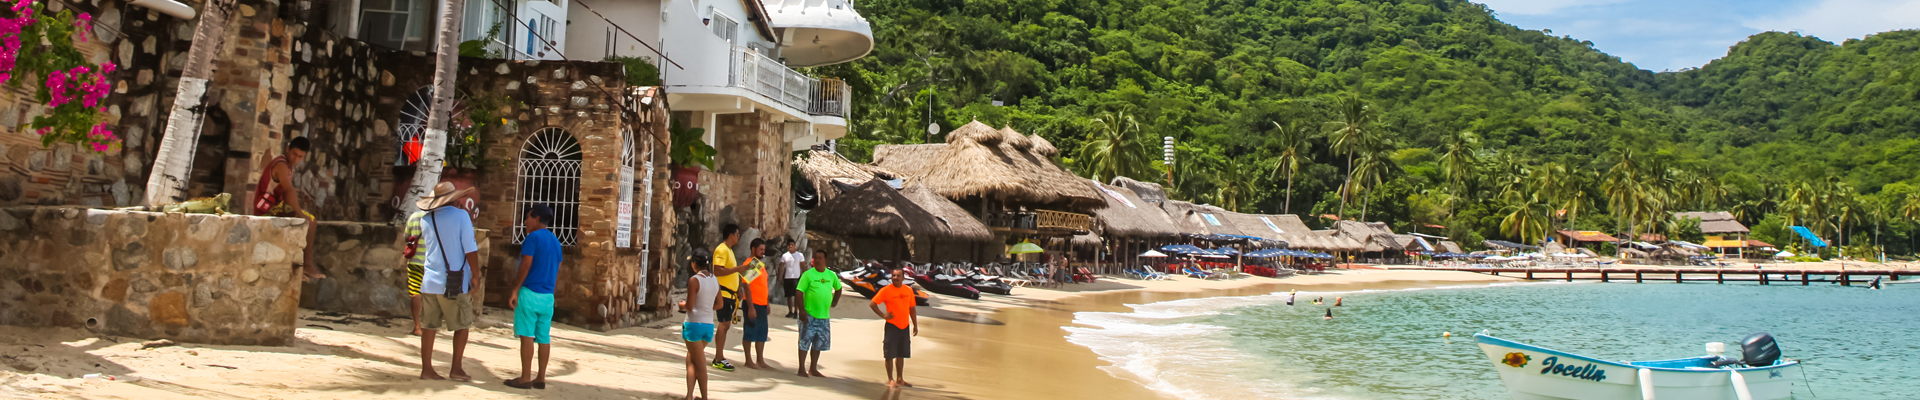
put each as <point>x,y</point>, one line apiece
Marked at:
<point>640,72</point>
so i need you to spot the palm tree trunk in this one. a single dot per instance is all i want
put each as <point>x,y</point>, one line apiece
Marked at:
<point>434,144</point>
<point>173,161</point>
<point>1287,207</point>
<point>1346,187</point>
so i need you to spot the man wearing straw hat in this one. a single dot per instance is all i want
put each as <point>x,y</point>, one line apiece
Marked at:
<point>451,253</point>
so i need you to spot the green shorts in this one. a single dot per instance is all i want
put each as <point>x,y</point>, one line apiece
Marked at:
<point>533,316</point>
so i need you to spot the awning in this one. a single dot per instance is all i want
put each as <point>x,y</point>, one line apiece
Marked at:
<point>1809,236</point>
<point>1726,243</point>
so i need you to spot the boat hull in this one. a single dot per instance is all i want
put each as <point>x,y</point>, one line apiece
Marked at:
<point>1536,373</point>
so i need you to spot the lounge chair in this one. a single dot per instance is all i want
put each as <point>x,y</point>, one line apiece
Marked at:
<point>1190,271</point>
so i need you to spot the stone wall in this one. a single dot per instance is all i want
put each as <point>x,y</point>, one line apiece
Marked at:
<point>365,274</point>
<point>187,277</point>
<point>751,186</point>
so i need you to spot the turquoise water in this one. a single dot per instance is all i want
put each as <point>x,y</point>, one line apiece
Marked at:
<point>1854,343</point>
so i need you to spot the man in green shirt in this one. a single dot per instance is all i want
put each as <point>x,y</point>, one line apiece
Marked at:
<point>819,293</point>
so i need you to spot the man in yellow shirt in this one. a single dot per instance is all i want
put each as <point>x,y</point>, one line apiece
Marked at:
<point>728,269</point>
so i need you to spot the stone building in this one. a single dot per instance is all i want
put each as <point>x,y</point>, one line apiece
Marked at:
<point>597,146</point>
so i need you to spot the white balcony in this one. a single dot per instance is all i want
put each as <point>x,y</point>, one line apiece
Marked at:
<point>819,32</point>
<point>820,97</point>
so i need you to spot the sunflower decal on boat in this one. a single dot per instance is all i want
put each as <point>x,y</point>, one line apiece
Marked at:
<point>1516,360</point>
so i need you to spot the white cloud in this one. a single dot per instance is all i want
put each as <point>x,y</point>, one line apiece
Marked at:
<point>1837,20</point>
<point>1537,7</point>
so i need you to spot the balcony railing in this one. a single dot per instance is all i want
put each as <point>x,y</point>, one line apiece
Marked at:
<point>761,74</point>
<point>1041,220</point>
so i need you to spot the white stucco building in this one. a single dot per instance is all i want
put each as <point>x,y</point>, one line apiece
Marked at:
<point>411,24</point>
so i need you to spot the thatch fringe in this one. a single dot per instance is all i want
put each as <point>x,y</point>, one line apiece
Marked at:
<point>825,167</point>
<point>969,165</point>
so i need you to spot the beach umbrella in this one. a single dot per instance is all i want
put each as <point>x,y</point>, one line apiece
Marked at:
<point>1784,254</point>
<point>1024,248</point>
<point>1154,254</point>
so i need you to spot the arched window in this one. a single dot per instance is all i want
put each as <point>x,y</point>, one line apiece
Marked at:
<point>550,174</point>
<point>412,127</point>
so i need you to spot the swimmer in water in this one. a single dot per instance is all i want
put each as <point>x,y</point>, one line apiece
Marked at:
<point>1289,299</point>
<point>1337,300</point>
<point>1329,315</point>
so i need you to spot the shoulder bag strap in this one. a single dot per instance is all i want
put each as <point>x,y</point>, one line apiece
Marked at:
<point>449,288</point>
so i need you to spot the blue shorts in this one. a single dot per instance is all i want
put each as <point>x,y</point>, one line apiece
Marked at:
<point>533,317</point>
<point>757,326</point>
<point>696,332</point>
<point>816,334</point>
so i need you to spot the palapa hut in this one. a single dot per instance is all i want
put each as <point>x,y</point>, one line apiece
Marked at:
<point>1725,235</point>
<point>1377,240</point>
<point>1005,179</point>
<point>1151,192</point>
<point>966,238</point>
<point>1129,225</point>
<point>822,168</point>
<point>877,221</point>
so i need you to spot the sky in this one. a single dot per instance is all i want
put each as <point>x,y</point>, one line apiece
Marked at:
<point>1661,35</point>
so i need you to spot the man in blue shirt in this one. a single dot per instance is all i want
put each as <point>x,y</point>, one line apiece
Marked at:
<point>533,303</point>
<point>447,278</point>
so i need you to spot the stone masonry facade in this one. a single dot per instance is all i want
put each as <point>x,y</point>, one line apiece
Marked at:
<point>189,277</point>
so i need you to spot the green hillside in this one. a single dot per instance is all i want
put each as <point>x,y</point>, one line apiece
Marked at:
<point>1443,114</point>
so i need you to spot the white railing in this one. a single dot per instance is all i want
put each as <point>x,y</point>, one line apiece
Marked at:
<point>758,73</point>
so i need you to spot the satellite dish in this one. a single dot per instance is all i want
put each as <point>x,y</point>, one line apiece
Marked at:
<point>933,129</point>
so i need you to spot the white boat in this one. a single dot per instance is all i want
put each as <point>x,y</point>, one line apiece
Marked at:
<point>1533,372</point>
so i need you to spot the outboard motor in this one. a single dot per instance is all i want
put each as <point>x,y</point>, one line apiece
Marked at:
<point>1759,350</point>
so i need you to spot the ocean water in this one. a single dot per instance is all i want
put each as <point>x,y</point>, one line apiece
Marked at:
<point>1854,343</point>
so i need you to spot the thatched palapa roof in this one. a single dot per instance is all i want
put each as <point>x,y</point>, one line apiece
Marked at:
<point>1715,222</point>
<point>876,209</point>
<point>825,167</point>
<point>958,223</point>
<point>1151,192</point>
<point>1374,236</point>
<point>978,160</point>
<point>1127,216</point>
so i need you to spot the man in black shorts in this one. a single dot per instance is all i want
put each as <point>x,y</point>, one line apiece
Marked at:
<point>894,303</point>
<point>791,265</point>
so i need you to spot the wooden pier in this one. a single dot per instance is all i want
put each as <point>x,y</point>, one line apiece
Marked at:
<point>1716,275</point>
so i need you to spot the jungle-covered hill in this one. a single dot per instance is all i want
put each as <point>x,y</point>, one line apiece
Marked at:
<point>1467,120</point>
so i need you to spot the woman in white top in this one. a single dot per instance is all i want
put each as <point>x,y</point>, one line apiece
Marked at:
<point>703,291</point>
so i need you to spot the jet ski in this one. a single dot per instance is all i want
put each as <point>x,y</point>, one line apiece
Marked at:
<point>983,282</point>
<point>938,280</point>
<point>870,277</point>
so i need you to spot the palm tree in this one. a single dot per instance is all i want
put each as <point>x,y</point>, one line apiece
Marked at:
<point>1293,152</point>
<point>1628,197</point>
<point>1236,184</point>
<point>1376,161</point>
<point>173,161</point>
<point>1113,148</point>
<point>1351,129</point>
<point>1526,217</point>
<point>434,142</point>
<point>1457,163</point>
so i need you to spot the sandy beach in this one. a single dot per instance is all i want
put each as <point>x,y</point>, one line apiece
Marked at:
<point>1004,347</point>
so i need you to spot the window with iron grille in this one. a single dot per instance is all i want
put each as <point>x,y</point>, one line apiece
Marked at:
<point>550,175</point>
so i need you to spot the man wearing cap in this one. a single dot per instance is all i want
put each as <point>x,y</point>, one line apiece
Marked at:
<point>447,243</point>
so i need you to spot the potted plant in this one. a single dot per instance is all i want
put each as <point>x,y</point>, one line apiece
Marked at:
<point>688,154</point>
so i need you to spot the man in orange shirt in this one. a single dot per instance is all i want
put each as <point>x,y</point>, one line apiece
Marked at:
<point>894,303</point>
<point>754,342</point>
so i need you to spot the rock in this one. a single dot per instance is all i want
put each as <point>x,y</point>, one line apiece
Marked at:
<point>502,69</point>
<point>129,257</point>
<point>271,294</point>
<point>133,226</point>
<point>267,253</point>
<point>154,344</point>
<point>10,188</point>
<point>169,308</point>
<point>7,221</point>
<point>144,285</point>
<point>250,275</point>
<point>116,291</point>
<point>202,296</point>
<point>121,320</point>
<point>178,258</point>
<point>239,234</point>
<point>202,227</point>
<point>97,217</point>
<point>347,245</point>
<point>579,85</point>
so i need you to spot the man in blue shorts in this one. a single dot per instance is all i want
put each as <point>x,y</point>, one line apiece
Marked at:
<point>533,304</point>
<point>819,293</point>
